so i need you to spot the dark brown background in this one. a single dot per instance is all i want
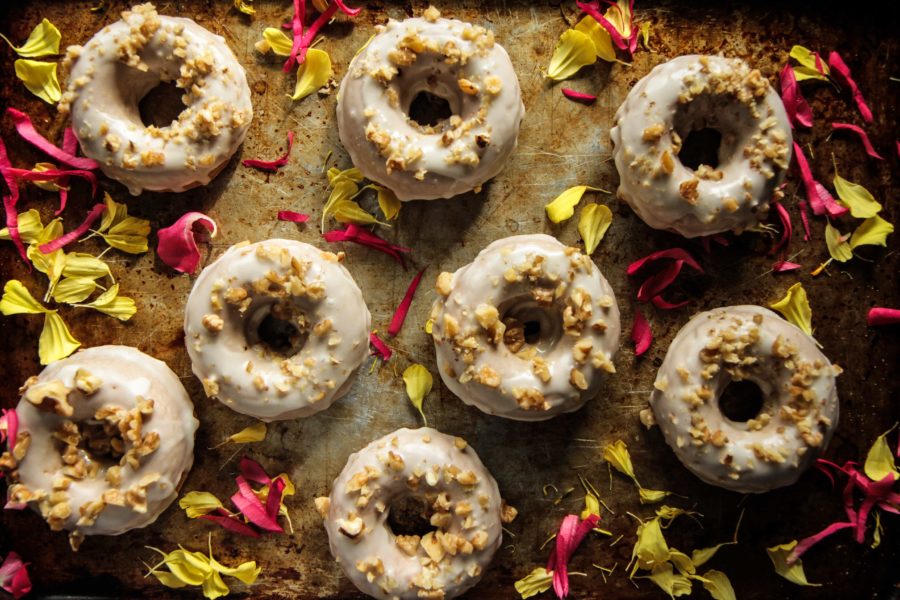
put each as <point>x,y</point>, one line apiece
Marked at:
<point>561,144</point>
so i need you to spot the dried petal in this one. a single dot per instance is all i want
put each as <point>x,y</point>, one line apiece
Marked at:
<point>574,50</point>
<point>26,129</point>
<point>403,308</point>
<point>121,231</point>
<point>811,65</point>
<point>784,266</point>
<point>650,550</point>
<point>247,435</point>
<point>418,382</point>
<point>617,455</point>
<point>793,573</point>
<point>671,254</point>
<point>253,471</point>
<point>14,576</point>
<point>277,41</point>
<point>819,199</point>
<point>42,41</point>
<point>572,531</point>
<point>233,523</point>
<point>9,427</point>
<point>879,316</point>
<point>787,230</point>
<point>871,232</point>
<point>249,505</point>
<point>17,300</point>
<point>112,304</point>
<point>196,504</point>
<point>795,308</point>
<point>880,461</point>
<point>76,233</point>
<point>579,96</point>
<point>312,74</point>
<point>272,165</point>
<point>56,342</point>
<point>563,206</point>
<point>177,245</point>
<point>796,106</point>
<point>837,244</point>
<point>674,584</point>
<point>245,8</point>
<point>863,137</point>
<point>599,36</point>
<point>73,290</point>
<point>364,237</point>
<point>293,217</point>
<point>641,334</point>
<point>39,78</point>
<point>537,582</point>
<point>618,21</point>
<point>657,283</point>
<point>861,203</point>
<point>387,202</point>
<point>718,585</point>
<point>380,348</point>
<point>843,75</point>
<point>595,219</point>
<point>348,211</point>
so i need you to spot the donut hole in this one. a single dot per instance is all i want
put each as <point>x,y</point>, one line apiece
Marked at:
<point>530,323</point>
<point>701,147</point>
<point>741,401</point>
<point>100,443</point>
<point>410,515</point>
<point>710,131</point>
<point>161,105</point>
<point>281,328</point>
<point>429,109</point>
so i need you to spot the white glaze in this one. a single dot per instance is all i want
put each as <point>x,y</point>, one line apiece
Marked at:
<point>126,375</point>
<point>690,424</point>
<point>569,275</point>
<point>432,463</point>
<point>244,374</point>
<point>104,92</point>
<point>421,164</point>
<point>751,126</point>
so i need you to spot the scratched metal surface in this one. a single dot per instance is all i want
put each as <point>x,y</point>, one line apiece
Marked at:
<point>561,144</point>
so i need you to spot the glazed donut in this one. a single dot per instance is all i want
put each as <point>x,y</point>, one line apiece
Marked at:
<point>797,412</point>
<point>452,60</point>
<point>527,330</point>
<point>276,329</point>
<point>127,59</point>
<point>691,94</point>
<point>458,495</point>
<point>106,438</point>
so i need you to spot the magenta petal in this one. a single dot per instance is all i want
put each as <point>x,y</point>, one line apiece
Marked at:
<point>380,348</point>
<point>879,316</point>
<point>863,137</point>
<point>671,253</point>
<point>14,576</point>
<point>177,245</point>
<point>641,334</point>
<point>272,165</point>
<point>571,533</point>
<point>12,223</point>
<point>26,129</point>
<point>658,282</point>
<point>784,266</point>
<point>787,229</point>
<point>593,9</point>
<point>76,233</point>
<point>364,237</point>
<point>804,219</point>
<point>807,543</point>
<point>400,314</point>
<point>252,470</point>
<point>57,174</point>
<point>231,523</point>
<point>796,106</point>
<point>273,501</point>
<point>293,217</point>
<point>579,96</point>
<point>9,427</point>
<point>843,71</point>
<point>250,506</point>
<point>663,304</point>
<point>820,200</point>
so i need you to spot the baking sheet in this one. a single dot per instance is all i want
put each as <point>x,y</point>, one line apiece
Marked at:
<point>562,143</point>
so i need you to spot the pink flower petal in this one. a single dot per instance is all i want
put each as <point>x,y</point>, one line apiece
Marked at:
<point>223,519</point>
<point>807,543</point>
<point>303,42</point>
<point>253,471</point>
<point>572,532</point>
<point>640,333</point>
<point>898,149</point>
<point>400,314</point>
<point>9,427</point>
<point>273,501</point>
<point>380,349</point>
<point>76,233</point>
<point>177,245</point>
<point>14,576</point>
<point>671,253</point>
<point>783,266</point>
<point>804,219</point>
<point>863,137</point>
<point>358,235</point>
<point>787,230</point>
<point>250,506</point>
<point>272,165</point>
<point>26,129</point>
<point>879,316</point>
<point>293,217</point>
<point>52,174</point>
<point>658,282</point>
<point>796,106</point>
<point>10,201</point>
<point>820,200</point>
<point>579,96</point>
<point>663,304</point>
<point>843,71</point>
<point>593,9</point>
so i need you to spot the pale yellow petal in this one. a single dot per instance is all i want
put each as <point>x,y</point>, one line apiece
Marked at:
<point>17,300</point>
<point>858,199</point>
<point>871,232</point>
<point>563,206</point>
<point>793,573</point>
<point>196,504</point>
<point>795,308</point>
<point>599,36</point>
<point>880,460</point>
<point>574,50</point>
<point>56,341</point>
<point>43,41</point>
<point>595,219</point>
<point>277,41</point>
<point>312,74</point>
<point>418,382</point>
<point>537,582</point>
<point>40,79</point>
<point>838,247</point>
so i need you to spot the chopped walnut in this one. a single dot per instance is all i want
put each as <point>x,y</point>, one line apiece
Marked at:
<point>51,396</point>
<point>213,323</point>
<point>409,544</point>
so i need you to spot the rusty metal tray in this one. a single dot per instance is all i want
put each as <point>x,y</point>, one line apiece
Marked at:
<point>561,144</point>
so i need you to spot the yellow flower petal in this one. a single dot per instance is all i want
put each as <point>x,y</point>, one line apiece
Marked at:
<point>650,550</point>
<point>418,382</point>
<point>277,41</point>
<point>599,36</point>
<point>591,506</point>
<point>253,433</point>
<point>837,244</point>
<point>214,587</point>
<point>795,308</point>
<point>56,340</point>
<point>387,202</point>
<point>880,459</point>
<point>125,233</point>
<point>563,206</point>
<point>42,41</point>
<point>575,49</point>
<point>429,326</point>
<point>877,531</point>
<point>50,232</point>
<point>49,185</point>
<point>72,290</point>
<point>645,34</point>
<point>807,68</point>
<point>245,8</point>
<point>861,203</point>
<point>336,175</point>
<point>246,572</point>
<point>620,17</point>
<point>110,303</point>
<point>196,504</point>
<point>343,190</point>
<point>79,264</point>
<point>40,79</point>
<point>30,227</point>
<point>536,582</point>
<point>871,232</point>
<point>595,219</point>
<point>651,496</point>
<point>793,573</point>
<point>17,300</point>
<point>168,579</point>
<point>674,584</point>
<point>617,455</point>
<point>312,74</point>
<point>51,265</point>
<point>701,556</point>
<point>348,211</point>
<point>718,585</point>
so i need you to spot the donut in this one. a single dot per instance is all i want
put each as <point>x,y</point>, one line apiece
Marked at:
<point>453,491</point>
<point>276,329</point>
<point>719,103</point>
<point>425,58</point>
<point>106,438</point>
<point>127,59</point>
<point>527,330</point>
<point>788,418</point>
